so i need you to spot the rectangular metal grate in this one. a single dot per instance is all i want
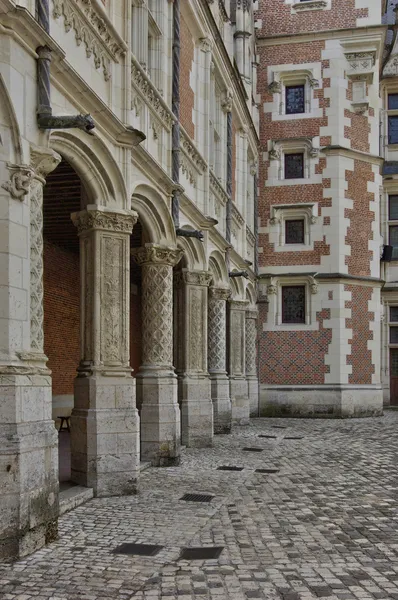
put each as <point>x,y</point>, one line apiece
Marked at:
<point>278,426</point>
<point>197,497</point>
<point>138,549</point>
<point>253,449</point>
<point>201,553</point>
<point>263,435</point>
<point>228,468</point>
<point>267,471</point>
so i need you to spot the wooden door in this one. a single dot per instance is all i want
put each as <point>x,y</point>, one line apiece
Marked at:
<point>394,376</point>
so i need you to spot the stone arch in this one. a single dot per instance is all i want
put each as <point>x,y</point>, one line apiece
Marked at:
<point>95,165</point>
<point>194,253</point>
<point>10,137</point>
<point>237,288</point>
<point>154,215</point>
<point>218,267</point>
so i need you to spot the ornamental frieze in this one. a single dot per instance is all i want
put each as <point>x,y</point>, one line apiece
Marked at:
<point>155,254</point>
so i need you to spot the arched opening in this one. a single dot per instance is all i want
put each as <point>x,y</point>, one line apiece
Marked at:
<point>63,194</point>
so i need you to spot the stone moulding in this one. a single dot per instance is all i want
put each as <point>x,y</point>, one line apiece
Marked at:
<point>91,29</point>
<point>310,5</point>
<point>192,153</point>
<point>217,189</point>
<point>150,95</point>
<point>250,237</point>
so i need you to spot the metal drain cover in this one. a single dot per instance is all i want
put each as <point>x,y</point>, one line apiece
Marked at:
<point>263,435</point>
<point>138,549</point>
<point>253,449</point>
<point>202,553</point>
<point>267,471</point>
<point>228,468</point>
<point>197,497</point>
<point>278,426</point>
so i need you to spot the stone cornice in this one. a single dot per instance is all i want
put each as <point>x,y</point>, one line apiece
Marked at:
<point>156,254</point>
<point>359,279</point>
<point>118,222</point>
<point>354,154</point>
<point>358,32</point>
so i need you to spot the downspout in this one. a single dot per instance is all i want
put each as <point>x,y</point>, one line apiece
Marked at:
<point>175,132</point>
<point>228,208</point>
<point>45,118</point>
<point>255,208</point>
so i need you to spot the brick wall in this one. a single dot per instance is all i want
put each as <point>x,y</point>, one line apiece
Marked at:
<point>187,97</point>
<point>277,18</point>
<point>293,357</point>
<point>360,357</point>
<point>61,316</point>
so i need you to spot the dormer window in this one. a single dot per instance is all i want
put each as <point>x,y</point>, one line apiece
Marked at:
<point>295,99</point>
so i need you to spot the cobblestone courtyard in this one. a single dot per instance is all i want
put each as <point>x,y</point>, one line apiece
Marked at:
<point>324,526</point>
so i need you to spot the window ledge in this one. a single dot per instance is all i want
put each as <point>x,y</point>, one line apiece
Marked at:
<point>310,5</point>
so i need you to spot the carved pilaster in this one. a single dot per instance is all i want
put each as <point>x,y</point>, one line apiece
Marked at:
<point>250,342</point>
<point>217,330</point>
<point>237,337</point>
<point>43,161</point>
<point>104,247</point>
<point>157,302</point>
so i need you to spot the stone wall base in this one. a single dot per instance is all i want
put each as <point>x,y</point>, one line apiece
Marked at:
<point>239,400</point>
<point>28,465</point>
<point>222,408</point>
<point>196,412</point>
<point>252,390</point>
<point>321,401</point>
<point>160,418</point>
<point>105,435</point>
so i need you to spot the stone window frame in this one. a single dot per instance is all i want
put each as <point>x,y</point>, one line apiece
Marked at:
<point>390,112</point>
<point>283,78</point>
<point>302,6</point>
<point>277,151</point>
<point>149,52</point>
<point>274,295</point>
<point>283,212</point>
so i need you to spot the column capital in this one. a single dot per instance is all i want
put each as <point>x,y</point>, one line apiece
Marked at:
<point>202,278</point>
<point>251,313</point>
<point>219,293</point>
<point>105,220</point>
<point>156,254</point>
<point>238,304</point>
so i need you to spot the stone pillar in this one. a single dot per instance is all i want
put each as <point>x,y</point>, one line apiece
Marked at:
<point>237,363</point>
<point>105,423</point>
<point>194,385</point>
<point>156,379</point>
<point>28,438</point>
<point>251,360</point>
<point>217,359</point>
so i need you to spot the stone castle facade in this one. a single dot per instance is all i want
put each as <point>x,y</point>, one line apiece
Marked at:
<point>195,197</point>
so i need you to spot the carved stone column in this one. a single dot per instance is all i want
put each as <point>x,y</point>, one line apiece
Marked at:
<point>105,423</point>
<point>194,384</point>
<point>28,438</point>
<point>251,360</point>
<point>156,379</point>
<point>217,359</point>
<point>237,362</point>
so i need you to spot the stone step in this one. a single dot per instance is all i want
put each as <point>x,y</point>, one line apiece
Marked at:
<point>72,497</point>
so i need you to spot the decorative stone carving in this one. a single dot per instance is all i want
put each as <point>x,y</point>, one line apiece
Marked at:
<point>195,331</point>
<point>313,286</point>
<point>205,44</point>
<point>274,221</point>
<point>108,221</point>
<point>43,161</point>
<point>19,182</point>
<point>274,154</point>
<point>217,329</point>
<point>137,105</point>
<point>360,61</point>
<point>218,189</point>
<point>272,289</point>
<point>187,170</point>
<point>157,302</point>
<point>314,83</point>
<point>251,339</point>
<point>226,103</point>
<point>275,87</point>
<point>197,277</point>
<point>192,153</point>
<point>91,29</point>
<point>111,299</point>
<point>150,94</point>
<point>253,168</point>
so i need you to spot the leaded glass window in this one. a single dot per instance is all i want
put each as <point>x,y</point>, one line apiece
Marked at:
<point>392,101</point>
<point>393,335</point>
<point>393,208</point>
<point>293,304</point>
<point>394,241</point>
<point>294,231</point>
<point>393,129</point>
<point>294,166</point>
<point>295,99</point>
<point>393,313</point>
